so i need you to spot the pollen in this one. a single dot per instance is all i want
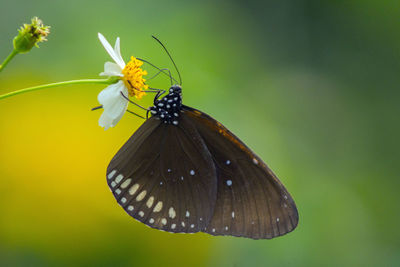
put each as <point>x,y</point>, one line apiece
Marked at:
<point>133,78</point>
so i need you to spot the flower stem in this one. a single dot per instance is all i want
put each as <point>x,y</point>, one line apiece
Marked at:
<point>50,85</point>
<point>8,59</point>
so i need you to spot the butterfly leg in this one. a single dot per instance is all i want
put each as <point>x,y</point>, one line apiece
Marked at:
<point>124,96</point>
<point>140,116</point>
<point>160,93</point>
<point>98,107</point>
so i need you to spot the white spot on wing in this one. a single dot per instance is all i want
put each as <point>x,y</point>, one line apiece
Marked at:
<point>229,182</point>
<point>113,184</point>
<point>228,162</point>
<point>213,230</point>
<point>151,220</point>
<point>111,174</point>
<point>255,161</point>
<point>226,228</point>
<point>277,219</point>
<point>141,213</point>
<point>133,189</point>
<point>130,208</point>
<point>187,213</point>
<point>158,207</point>
<point>126,183</point>
<point>119,178</point>
<point>141,195</point>
<point>192,172</point>
<point>117,191</point>
<point>233,214</point>
<point>164,221</point>
<point>183,224</point>
<point>149,202</point>
<point>123,200</point>
<point>192,226</point>
<point>173,226</point>
<point>171,212</point>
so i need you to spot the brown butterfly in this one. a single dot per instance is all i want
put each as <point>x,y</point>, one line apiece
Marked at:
<point>184,172</point>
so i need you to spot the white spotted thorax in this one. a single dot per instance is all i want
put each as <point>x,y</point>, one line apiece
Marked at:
<point>168,108</point>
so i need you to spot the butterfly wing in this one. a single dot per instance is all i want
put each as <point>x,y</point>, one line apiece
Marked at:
<point>164,176</point>
<point>251,201</point>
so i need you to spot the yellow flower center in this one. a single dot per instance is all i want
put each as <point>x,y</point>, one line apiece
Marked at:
<point>133,78</point>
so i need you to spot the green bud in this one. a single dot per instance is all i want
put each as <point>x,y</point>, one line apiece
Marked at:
<point>30,35</point>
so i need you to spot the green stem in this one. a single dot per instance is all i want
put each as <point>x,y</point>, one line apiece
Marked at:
<point>8,59</point>
<point>50,85</point>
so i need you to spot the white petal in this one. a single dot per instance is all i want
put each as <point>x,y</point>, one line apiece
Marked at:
<point>114,104</point>
<point>111,69</point>
<point>117,119</point>
<point>105,121</point>
<point>113,90</point>
<point>117,51</point>
<point>110,50</point>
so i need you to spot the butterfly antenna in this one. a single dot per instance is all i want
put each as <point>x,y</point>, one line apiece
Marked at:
<point>159,69</point>
<point>180,78</point>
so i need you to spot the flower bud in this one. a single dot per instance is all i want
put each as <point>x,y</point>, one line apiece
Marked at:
<point>31,34</point>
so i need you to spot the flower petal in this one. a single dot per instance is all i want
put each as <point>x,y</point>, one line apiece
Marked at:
<point>111,69</point>
<point>106,121</point>
<point>117,51</point>
<point>110,50</point>
<point>114,104</point>
<point>117,119</point>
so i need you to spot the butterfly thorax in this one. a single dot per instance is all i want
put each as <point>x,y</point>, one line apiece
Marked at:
<point>168,107</point>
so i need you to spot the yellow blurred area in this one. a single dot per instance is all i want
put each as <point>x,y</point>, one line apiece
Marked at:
<point>53,162</point>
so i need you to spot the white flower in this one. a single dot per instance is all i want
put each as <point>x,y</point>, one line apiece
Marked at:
<point>131,83</point>
<point>114,104</point>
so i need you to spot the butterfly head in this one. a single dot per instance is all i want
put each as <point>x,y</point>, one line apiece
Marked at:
<point>176,88</point>
<point>168,108</point>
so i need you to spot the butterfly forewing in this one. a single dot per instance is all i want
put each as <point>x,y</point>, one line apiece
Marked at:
<point>251,201</point>
<point>164,177</point>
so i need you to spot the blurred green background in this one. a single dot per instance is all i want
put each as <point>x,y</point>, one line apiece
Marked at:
<point>310,86</point>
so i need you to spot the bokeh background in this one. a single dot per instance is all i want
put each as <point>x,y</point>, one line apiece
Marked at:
<point>311,86</point>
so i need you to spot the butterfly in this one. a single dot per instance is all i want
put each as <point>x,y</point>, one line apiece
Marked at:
<point>184,172</point>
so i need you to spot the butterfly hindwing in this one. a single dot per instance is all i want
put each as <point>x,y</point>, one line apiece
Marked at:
<point>251,201</point>
<point>164,177</point>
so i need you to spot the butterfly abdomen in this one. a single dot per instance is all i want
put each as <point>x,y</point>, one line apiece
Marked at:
<point>168,108</point>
